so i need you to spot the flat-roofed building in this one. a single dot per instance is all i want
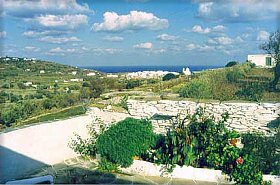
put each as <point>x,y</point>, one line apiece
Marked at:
<point>262,60</point>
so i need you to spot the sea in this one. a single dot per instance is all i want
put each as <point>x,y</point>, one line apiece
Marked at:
<point>126,69</point>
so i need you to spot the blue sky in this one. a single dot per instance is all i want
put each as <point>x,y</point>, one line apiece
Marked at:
<point>137,32</point>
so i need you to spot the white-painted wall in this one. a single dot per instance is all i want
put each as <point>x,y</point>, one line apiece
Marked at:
<point>260,60</point>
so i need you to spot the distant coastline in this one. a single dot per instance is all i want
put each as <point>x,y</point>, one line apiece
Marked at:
<point>124,69</point>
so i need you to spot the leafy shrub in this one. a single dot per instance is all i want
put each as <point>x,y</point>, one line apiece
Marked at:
<point>231,63</point>
<point>235,74</point>
<point>203,142</point>
<point>2,99</point>
<point>251,92</point>
<point>169,76</point>
<point>7,85</point>
<point>21,85</point>
<point>197,88</point>
<point>132,84</point>
<point>14,98</point>
<point>84,147</point>
<point>176,148</point>
<point>124,140</point>
<point>87,147</point>
<point>123,102</point>
<point>247,172</point>
<point>267,158</point>
<point>75,87</point>
<point>106,166</point>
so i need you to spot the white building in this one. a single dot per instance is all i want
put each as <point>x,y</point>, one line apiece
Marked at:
<point>74,72</point>
<point>148,74</point>
<point>91,74</point>
<point>262,60</point>
<point>186,71</point>
<point>112,76</point>
<point>27,84</point>
<point>42,71</point>
<point>76,80</point>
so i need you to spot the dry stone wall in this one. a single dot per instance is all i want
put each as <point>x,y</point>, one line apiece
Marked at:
<point>243,116</point>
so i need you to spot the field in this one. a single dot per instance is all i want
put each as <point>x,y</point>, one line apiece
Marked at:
<point>36,91</point>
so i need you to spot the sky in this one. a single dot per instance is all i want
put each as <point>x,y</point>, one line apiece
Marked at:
<point>137,32</point>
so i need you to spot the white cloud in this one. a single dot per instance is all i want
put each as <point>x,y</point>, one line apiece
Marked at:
<point>29,9</point>
<point>238,10</point>
<point>206,48</point>
<point>3,34</point>
<point>59,40</point>
<point>62,21</point>
<point>205,8</point>
<point>263,36</point>
<point>32,33</point>
<point>61,51</point>
<point>220,40</point>
<point>104,51</point>
<point>135,20</point>
<point>31,49</point>
<point>219,28</point>
<point>190,47</point>
<point>239,39</point>
<point>166,37</point>
<point>199,29</point>
<point>145,45</point>
<point>158,51</point>
<point>56,50</point>
<point>113,38</point>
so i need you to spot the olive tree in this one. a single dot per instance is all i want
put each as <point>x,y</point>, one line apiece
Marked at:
<point>272,47</point>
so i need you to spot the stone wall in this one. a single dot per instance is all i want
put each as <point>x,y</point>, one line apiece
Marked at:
<point>243,116</point>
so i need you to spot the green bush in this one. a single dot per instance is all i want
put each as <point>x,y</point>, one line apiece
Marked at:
<point>169,76</point>
<point>251,91</point>
<point>231,63</point>
<point>247,172</point>
<point>235,74</point>
<point>201,141</point>
<point>106,166</point>
<point>123,102</point>
<point>132,84</point>
<point>124,140</point>
<point>267,158</point>
<point>176,148</point>
<point>197,88</point>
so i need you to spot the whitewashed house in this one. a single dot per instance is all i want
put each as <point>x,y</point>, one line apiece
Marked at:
<point>76,80</point>
<point>186,71</point>
<point>42,71</point>
<point>112,76</point>
<point>91,74</point>
<point>262,60</point>
<point>27,84</point>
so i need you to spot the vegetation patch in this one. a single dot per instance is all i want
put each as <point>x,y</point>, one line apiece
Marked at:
<point>124,140</point>
<point>69,112</point>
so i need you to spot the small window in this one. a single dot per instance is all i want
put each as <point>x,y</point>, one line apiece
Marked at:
<point>268,61</point>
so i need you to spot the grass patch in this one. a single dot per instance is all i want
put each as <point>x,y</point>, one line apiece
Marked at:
<point>73,111</point>
<point>98,105</point>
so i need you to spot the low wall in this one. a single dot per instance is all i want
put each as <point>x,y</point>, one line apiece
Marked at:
<point>186,172</point>
<point>243,116</point>
<point>34,147</point>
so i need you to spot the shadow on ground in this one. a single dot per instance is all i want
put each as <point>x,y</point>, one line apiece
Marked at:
<point>14,165</point>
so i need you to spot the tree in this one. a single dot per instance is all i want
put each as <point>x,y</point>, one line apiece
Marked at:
<point>232,63</point>
<point>272,47</point>
<point>168,76</point>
